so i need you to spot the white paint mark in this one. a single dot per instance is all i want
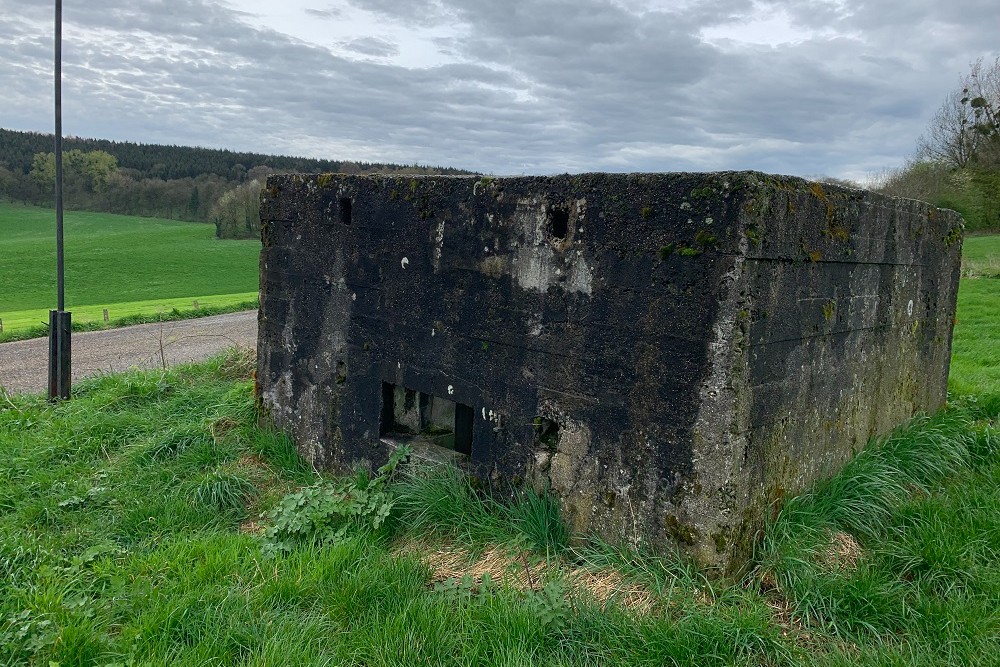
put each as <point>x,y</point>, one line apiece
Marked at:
<point>404,262</point>
<point>433,332</point>
<point>354,296</point>
<point>451,390</point>
<point>399,365</point>
<point>484,413</point>
<point>909,307</point>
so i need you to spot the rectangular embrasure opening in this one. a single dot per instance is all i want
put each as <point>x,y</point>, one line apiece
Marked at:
<point>413,417</point>
<point>346,206</point>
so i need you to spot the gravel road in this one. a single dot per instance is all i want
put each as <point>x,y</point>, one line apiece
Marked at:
<point>24,364</point>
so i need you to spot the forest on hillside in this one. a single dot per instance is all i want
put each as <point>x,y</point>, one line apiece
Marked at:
<point>174,182</point>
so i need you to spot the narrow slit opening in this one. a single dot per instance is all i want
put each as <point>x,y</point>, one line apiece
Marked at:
<point>345,207</point>
<point>558,223</point>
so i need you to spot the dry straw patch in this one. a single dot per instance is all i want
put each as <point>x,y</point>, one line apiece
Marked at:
<point>252,527</point>
<point>514,568</point>
<point>220,427</point>
<point>240,363</point>
<point>842,552</point>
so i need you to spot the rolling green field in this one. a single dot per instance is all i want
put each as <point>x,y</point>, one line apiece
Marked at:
<point>129,265</point>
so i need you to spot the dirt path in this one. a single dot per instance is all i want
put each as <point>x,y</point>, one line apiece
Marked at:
<point>24,364</point>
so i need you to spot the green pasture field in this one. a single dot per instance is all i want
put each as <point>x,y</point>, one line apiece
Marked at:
<point>975,353</point>
<point>129,265</point>
<point>981,256</point>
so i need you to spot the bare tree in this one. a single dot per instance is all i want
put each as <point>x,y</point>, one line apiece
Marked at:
<point>965,131</point>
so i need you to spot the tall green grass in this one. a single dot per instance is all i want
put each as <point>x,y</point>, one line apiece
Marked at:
<point>126,537</point>
<point>113,259</point>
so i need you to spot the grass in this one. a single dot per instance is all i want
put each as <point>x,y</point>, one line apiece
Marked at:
<point>981,256</point>
<point>127,536</point>
<point>34,323</point>
<point>975,360</point>
<point>126,264</point>
<point>131,533</point>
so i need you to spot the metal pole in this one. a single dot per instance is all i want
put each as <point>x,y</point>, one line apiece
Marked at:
<point>60,284</point>
<point>60,322</point>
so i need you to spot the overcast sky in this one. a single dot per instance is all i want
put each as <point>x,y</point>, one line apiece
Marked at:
<point>811,87</point>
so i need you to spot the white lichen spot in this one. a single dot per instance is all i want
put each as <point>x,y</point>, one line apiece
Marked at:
<point>709,221</point>
<point>451,390</point>
<point>909,308</point>
<point>404,262</point>
<point>354,296</point>
<point>685,206</point>
<point>438,245</point>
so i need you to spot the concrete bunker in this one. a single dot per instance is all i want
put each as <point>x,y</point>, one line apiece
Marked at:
<point>670,354</point>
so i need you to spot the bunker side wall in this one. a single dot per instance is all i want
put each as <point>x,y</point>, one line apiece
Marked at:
<point>849,324</point>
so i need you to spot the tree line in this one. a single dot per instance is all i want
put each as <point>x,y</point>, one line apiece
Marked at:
<point>174,182</point>
<point>957,160</point>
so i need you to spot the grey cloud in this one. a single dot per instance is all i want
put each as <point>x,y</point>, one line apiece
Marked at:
<point>536,86</point>
<point>371,46</point>
<point>328,13</point>
<point>419,13</point>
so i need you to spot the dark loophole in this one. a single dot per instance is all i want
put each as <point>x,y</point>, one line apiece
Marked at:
<point>546,432</point>
<point>412,416</point>
<point>386,420</point>
<point>345,207</point>
<point>558,223</point>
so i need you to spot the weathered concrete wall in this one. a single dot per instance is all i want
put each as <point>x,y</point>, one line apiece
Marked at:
<point>671,354</point>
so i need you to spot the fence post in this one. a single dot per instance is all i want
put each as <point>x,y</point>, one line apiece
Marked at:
<point>105,315</point>
<point>196,304</point>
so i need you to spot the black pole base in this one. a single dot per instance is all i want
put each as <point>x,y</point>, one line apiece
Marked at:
<point>60,368</point>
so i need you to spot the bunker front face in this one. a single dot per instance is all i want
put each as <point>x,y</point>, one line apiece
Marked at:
<point>669,354</point>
